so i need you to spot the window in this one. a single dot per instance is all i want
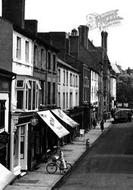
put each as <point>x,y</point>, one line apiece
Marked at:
<point>18,48</point>
<point>76,99</point>
<point>54,62</point>
<point>71,79</point>
<point>59,99</point>
<point>54,93</point>
<point>27,51</point>
<point>63,100</point>
<point>35,55</point>
<point>2,113</point>
<point>49,61</point>
<point>59,75</point>
<point>20,84</point>
<point>49,92</point>
<point>76,81</point>
<point>42,59</point>
<point>22,155</point>
<point>71,99</point>
<point>67,78</point>
<point>67,100</point>
<point>64,77</point>
<point>20,99</point>
<point>27,94</point>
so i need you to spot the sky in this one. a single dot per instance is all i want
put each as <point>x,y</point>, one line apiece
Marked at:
<point>62,15</point>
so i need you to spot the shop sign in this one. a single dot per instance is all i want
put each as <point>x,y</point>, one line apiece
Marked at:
<point>53,123</point>
<point>64,117</point>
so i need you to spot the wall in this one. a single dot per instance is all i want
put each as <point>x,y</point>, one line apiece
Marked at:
<point>6,37</point>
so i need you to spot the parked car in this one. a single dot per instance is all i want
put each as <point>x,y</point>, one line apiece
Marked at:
<point>123,115</point>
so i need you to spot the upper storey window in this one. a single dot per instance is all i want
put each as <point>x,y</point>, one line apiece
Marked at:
<point>18,48</point>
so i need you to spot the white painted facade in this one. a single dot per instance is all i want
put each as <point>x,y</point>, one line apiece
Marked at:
<point>94,88</point>
<point>25,89</point>
<point>68,86</point>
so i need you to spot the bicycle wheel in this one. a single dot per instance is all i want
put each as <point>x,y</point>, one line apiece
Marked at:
<point>69,166</point>
<point>51,168</point>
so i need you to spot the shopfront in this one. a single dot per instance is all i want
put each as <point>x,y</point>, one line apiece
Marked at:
<point>54,130</point>
<point>19,142</point>
<point>70,124</point>
<point>5,104</point>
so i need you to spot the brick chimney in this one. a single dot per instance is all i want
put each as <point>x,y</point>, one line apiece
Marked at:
<point>83,35</point>
<point>31,26</point>
<point>14,11</point>
<point>104,36</point>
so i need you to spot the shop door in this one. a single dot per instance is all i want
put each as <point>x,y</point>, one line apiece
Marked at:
<point>23,146</point>
<point>4,111</point>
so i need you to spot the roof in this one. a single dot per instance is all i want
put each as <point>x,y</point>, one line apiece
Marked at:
<point>61,62</point>
<point>7,73</point>
<point>30,35</point>
<point>91,58</point>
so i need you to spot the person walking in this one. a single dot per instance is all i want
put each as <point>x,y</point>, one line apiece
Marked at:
<point>94,123</point>
<point>102,125</point>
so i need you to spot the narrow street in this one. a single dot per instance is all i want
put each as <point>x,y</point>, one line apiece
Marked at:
<point>108,165</point>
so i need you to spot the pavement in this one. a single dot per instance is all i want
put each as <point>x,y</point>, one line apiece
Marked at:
<point>39,179</point>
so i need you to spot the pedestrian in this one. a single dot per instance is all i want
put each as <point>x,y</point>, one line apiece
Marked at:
<point>61,157</point>
<point>94,123</point>
<point>102,125</point>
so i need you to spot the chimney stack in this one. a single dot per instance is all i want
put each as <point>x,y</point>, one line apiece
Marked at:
<point>14,11</point>
<point>83,35</point>
<point>31,26</point>
<point>104,36</point>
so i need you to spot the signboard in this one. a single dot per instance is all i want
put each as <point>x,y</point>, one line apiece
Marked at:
<point>64,117</point>
<point>53,123</point>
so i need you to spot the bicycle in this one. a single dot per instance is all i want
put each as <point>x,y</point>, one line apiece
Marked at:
<point>56,164</point>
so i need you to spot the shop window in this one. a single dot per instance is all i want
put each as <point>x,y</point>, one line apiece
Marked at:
<point>2,113</point>
<point>16,147</point>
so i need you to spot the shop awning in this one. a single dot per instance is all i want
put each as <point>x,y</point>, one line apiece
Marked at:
<point>6,176</point>
<point>53,123</point>
<point>64,117</point>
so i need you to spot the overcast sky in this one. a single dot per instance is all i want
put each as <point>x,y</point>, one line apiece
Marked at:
<point>62,15</point>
